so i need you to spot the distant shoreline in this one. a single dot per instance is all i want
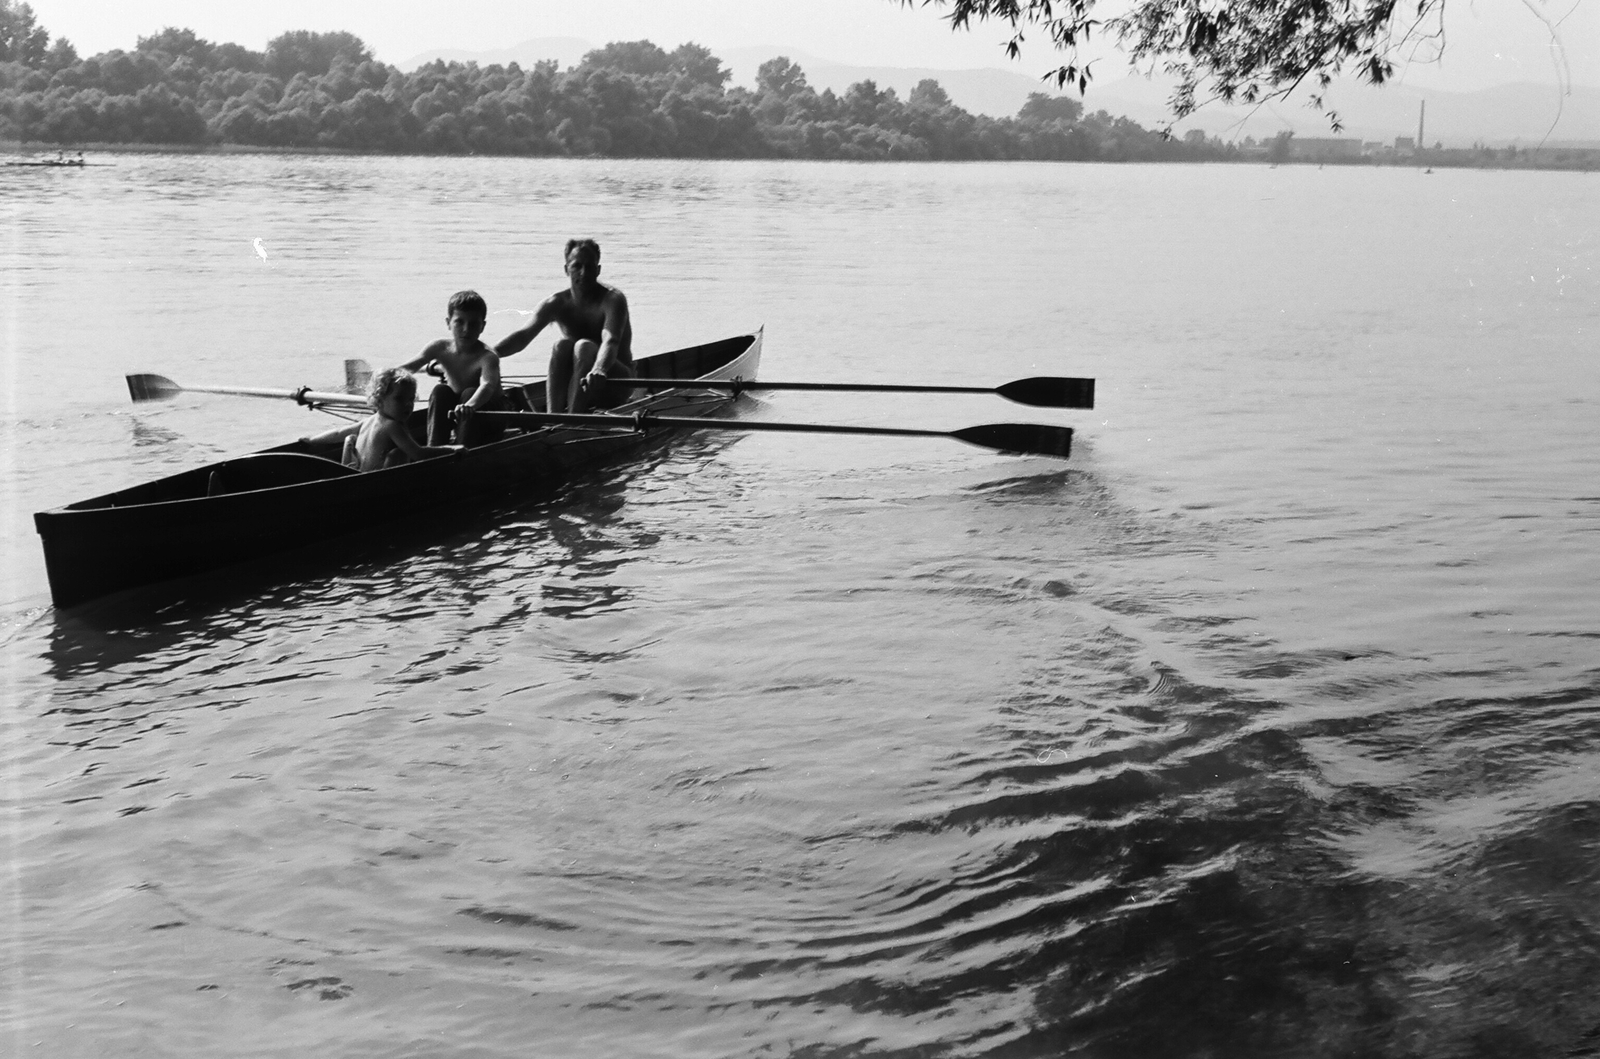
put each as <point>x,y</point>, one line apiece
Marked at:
<point>1547,159</point>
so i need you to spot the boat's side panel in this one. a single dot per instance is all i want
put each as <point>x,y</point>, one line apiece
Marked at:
<point>172,528</point>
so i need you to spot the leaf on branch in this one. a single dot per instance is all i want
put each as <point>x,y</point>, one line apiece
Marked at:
<point>1249,50</point>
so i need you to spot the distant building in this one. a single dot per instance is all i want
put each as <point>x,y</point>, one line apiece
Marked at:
<point>1324,149</point>
<point>1404,143</point>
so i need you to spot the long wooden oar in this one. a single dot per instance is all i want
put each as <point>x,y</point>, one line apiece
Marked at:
<point>1030,438</point>
<point>1045,391</point>
<point>161,388</point>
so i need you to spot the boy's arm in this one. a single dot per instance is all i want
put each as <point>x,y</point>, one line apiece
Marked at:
<point>488,387</point>
<point>518,340</point>
<point>331,435</point>
<point>429,353</point>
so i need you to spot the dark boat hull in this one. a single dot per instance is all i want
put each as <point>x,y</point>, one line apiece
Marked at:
<point>296,494</point>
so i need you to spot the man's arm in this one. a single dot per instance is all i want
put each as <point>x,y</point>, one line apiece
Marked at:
<point>611,332</point>
<point>518,340</point>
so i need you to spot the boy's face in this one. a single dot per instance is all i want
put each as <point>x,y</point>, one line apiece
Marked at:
<point>465,324</point>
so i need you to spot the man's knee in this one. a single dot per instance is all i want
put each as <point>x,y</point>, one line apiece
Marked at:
<point>584,353</point>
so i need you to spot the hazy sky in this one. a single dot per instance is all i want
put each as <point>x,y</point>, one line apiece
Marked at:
<point>1490,41</point>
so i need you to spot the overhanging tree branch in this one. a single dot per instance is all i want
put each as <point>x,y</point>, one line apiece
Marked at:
<point>1231,50</point>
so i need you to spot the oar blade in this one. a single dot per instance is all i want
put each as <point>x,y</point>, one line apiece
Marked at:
<point>152,388</point>
<point>1050,392</point>
<point>357,374</point>
<point>1034,439</point>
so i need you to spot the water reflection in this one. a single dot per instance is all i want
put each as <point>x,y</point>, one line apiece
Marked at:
<point>145,434</point>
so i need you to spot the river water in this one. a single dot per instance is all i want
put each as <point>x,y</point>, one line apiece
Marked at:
<point>1264,726</point>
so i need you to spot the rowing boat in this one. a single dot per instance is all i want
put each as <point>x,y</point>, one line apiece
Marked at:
<point>294,494</point>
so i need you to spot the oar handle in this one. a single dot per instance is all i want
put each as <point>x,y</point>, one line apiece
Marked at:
<point>300,395</point>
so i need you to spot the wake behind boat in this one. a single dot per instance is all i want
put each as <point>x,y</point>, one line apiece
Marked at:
<point>294,494</point>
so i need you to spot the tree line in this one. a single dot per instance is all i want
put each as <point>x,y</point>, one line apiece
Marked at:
<point>628,99</point>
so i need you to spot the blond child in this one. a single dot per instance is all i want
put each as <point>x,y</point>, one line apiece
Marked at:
<point>383,440</point>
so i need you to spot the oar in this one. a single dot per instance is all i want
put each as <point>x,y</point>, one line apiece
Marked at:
<point>1045,391</point>
<point>161,388</point>
<point>1030,438</point>
<point>357,374</point>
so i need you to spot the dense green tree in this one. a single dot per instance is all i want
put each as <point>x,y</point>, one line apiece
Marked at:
<point>781,78</point>
<point>1043,108</point>
<point>637,57</point>
<point>172,43</point>
<point>628,98</point>
<point>22,39</point>
<point>697,66</point>
<point>304,52</point>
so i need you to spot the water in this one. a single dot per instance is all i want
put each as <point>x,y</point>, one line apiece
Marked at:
<point>1264,726</point>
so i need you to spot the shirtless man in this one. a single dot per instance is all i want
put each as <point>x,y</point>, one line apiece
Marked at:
<point>471,375</point>
<point>596,336</point>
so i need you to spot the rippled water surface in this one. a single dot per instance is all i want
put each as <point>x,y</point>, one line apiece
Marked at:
<point>1263,726</point>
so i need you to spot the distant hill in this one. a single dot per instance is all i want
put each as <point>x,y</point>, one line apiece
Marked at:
<point>1523,114</point>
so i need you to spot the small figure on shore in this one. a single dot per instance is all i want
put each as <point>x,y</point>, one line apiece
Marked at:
<point>471,376</point>
<point>382,439</point>
<point>596,341</point>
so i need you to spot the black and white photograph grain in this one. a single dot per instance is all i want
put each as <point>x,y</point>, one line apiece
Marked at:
<point>800,529</point>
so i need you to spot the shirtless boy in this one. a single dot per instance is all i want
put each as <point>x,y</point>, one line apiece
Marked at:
<point>596,336</point>
<point>471,375</point>
<point>382,439</point>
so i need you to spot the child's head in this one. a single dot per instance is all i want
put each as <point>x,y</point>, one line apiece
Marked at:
<point>466,316</point>
<point>397,383</point>
<point>467,301</point>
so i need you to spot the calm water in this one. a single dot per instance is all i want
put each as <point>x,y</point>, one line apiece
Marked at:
<point>1265,726</point>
